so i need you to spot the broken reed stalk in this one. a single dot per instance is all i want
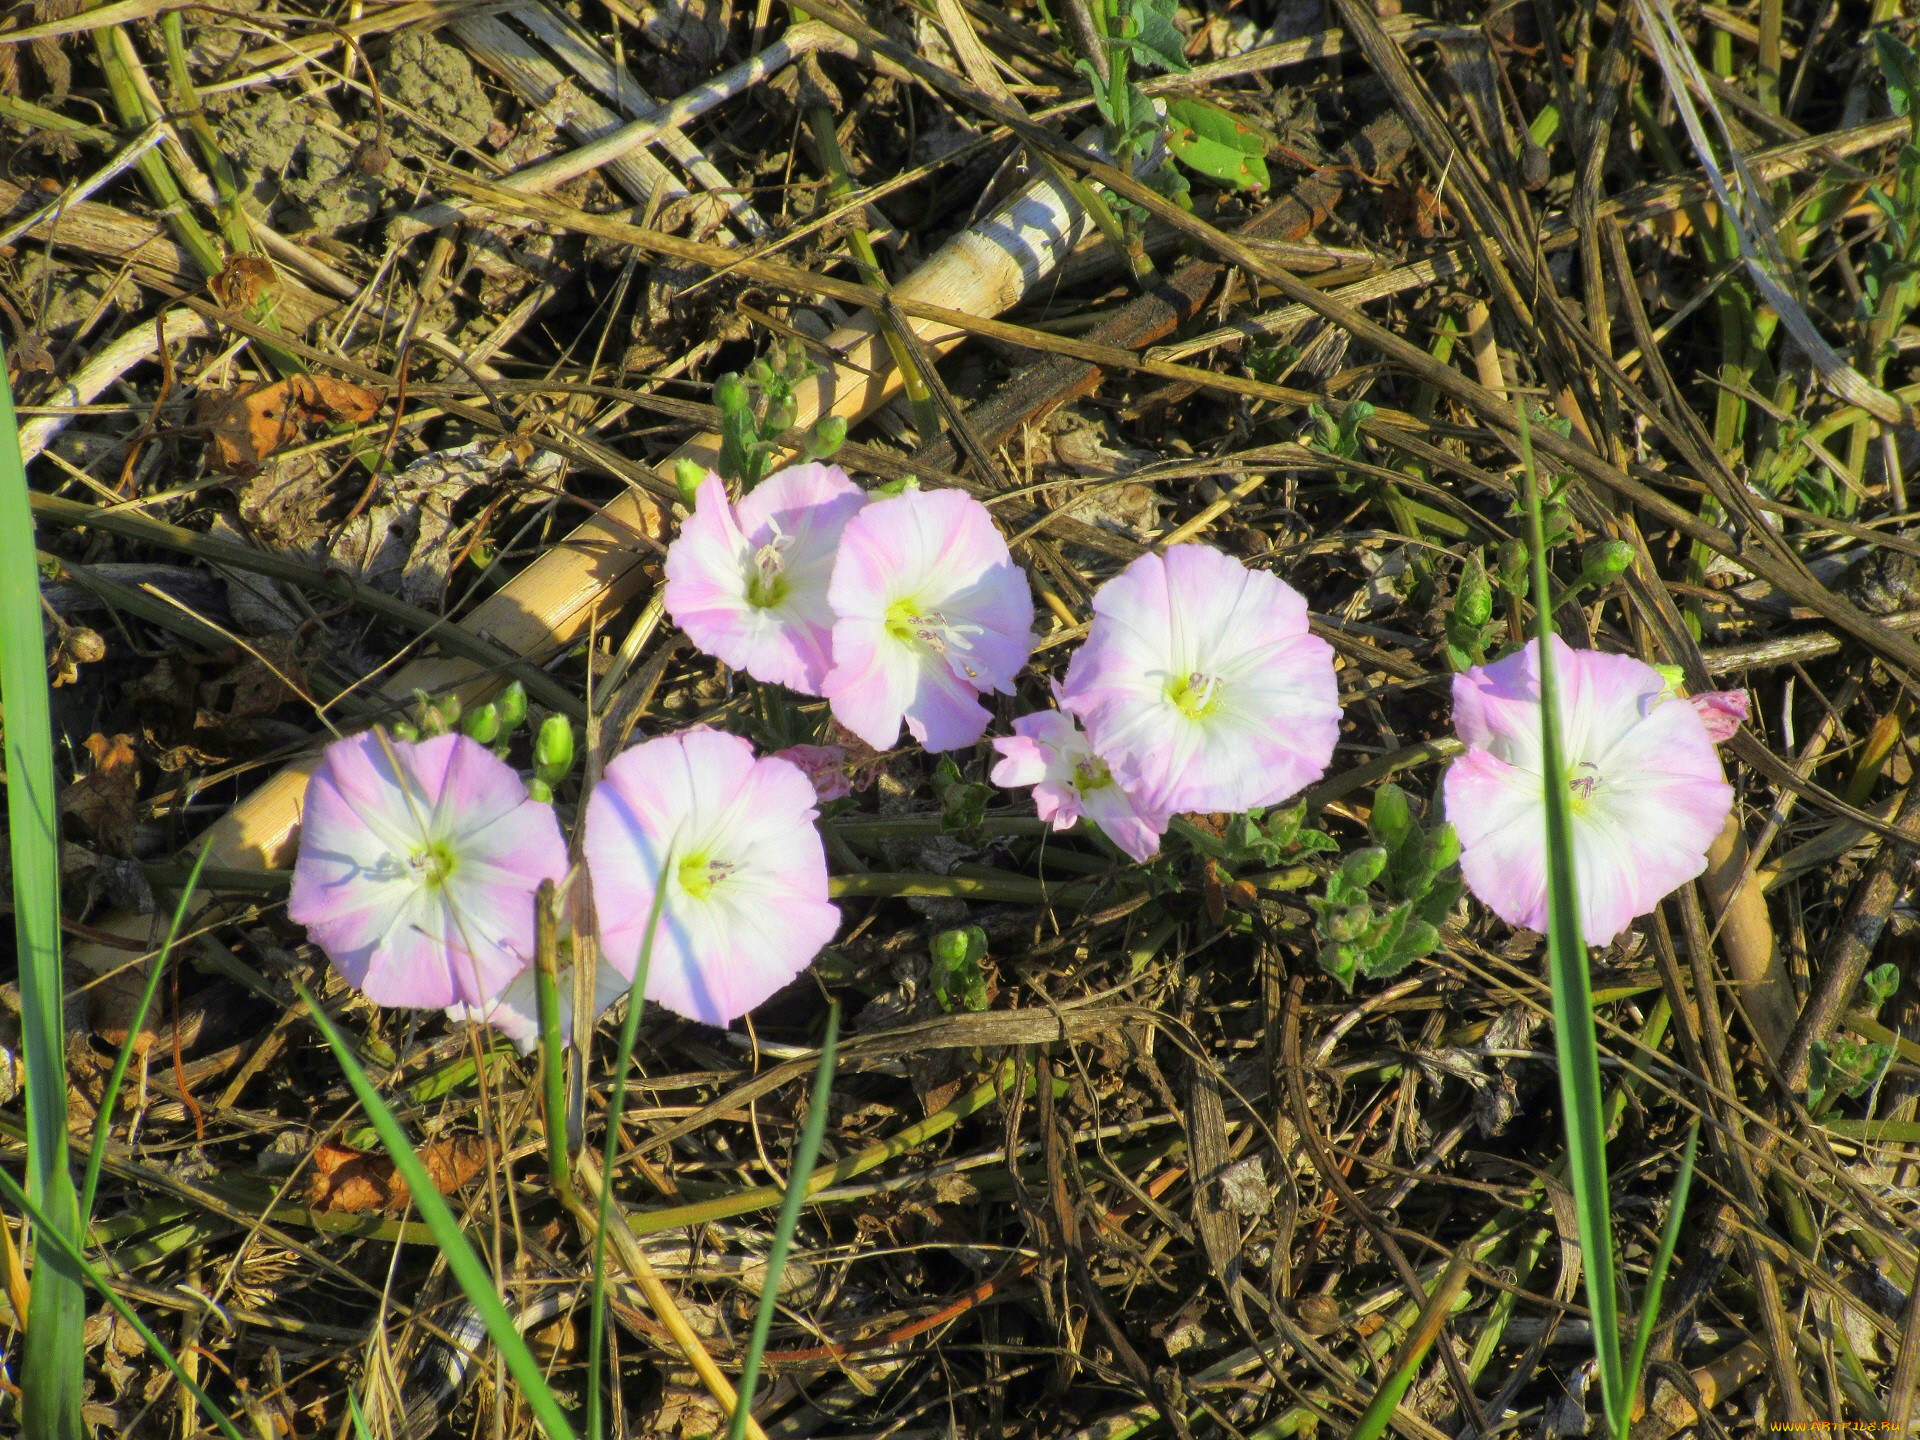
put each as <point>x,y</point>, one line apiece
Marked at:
<point>982,271</point>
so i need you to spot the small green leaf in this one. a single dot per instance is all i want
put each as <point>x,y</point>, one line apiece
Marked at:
<point>1898,65</point>
<point>1154,39</point>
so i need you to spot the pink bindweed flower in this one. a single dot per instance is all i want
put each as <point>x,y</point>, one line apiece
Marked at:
<point>1200,686</point>
<point>418,866</point>
<point>824,765</point>
<point>1048,752</point>
<point>930,613</point>
<point>733,840</point>
<point>1647,792</point>
<point>748,582</point>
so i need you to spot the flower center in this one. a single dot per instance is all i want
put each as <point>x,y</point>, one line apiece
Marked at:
<point>433,865</point>
<point>699,874</point>
<point>950,640</point>
<point>1582,785</point>
<point>1091,774</point>
<point>1195,695</point>
<point>767,586</point>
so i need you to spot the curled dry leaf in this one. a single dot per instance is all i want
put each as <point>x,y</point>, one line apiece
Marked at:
<point>250,423</point>
<point>353,1182</point>
<point>102,802</point>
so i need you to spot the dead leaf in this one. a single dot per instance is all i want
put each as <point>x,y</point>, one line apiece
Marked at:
<point>251,423</point>
<point>353,1182</point>
<point>242,280</point>
<point>103,802</point>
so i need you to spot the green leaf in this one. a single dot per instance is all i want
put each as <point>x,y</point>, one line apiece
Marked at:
<point>1902,74</point>
<point>1155,40</point>
<point>1212,142</point>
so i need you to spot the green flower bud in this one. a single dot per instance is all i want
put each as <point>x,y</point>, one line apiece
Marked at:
<point>512,707</point>
<point>730,393</point>
<point>1473,604</point>
<point>404,731</point>
<point>956,947</point>
<point>780,416</point>
<point>829,434</point>
<point>1392,819</point>
<point>553,749</point>
<point>1606,558</point>
<point>538,789</point>
<point>1511,562</point>
<point>687,476</point>
<point>482,725</point>
<point>1363,867</point>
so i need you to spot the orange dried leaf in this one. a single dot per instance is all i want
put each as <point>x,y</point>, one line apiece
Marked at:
<point>354,1182</point>
<point>251,423</point>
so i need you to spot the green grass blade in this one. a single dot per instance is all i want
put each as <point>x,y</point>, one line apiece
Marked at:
<point>797,1173</point>
<point>1378,1415</point>
<point>1575,1042</point>
<point>103,1121</point>
<point>53,1366</point>
<point>52,1237</point>
<point>466,1266</point>
<point>616,1104</point>
<point>1662,1260</point>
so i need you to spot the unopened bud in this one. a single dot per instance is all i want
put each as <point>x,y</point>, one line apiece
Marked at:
<point>688,475</point>
<point>482,725</point>
<point>553,749</point>
<point>512,706</point>
<point>730,393</point>
<point>829,434</point>
<point>1606,559</point>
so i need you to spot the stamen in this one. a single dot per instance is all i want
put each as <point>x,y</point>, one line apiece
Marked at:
<point>766,587</point>
<point>1583,785</point>
<point>949,639</point>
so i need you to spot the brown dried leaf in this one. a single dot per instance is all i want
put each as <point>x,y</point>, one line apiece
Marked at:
<point>104,801</point>
<point>253,422</point>
<point>353,1182</point>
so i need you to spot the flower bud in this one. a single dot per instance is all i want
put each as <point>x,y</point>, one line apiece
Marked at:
<point>1605,559</point>
<point>511,707</point>
<point>1511,562</point>
<point>955,947</point>
<point>401,730</point>
<point>553,749</point>
<point>1473,604</point>
<point>1363,867</point>
<point>730,393</point>
<point>780,416</point>
<point>687,477</point>
<point>482,725</point>
<point>829,434</point>
<point>1392,819</point>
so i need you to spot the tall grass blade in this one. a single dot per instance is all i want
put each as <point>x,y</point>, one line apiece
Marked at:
<point>53,1366</point>
<point>1575,1042</point>
<point>1662,1261</point>
<point>466,1266</point>
<point>110,1097</point>
<point>803,1157</point>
